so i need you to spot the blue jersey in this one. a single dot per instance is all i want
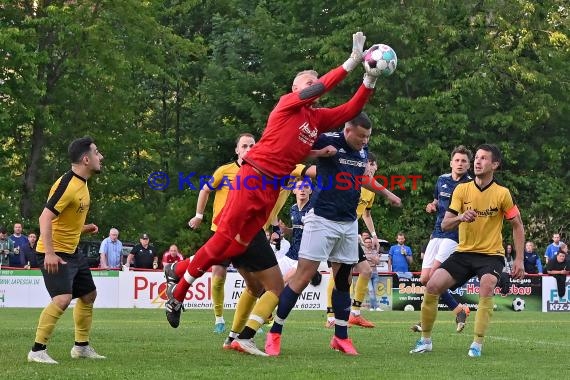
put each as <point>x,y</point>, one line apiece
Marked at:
<point>297,225</point>
<point>336,194</point>
<point>443,189</point>
<point>398,254</point>
<point>552,251</point>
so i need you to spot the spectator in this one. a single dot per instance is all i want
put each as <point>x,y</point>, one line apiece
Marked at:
<point>384,257</point>
<point>532,264</point>
<point>505,278</point>
<point>16,259</point>
<point>17,237</point>
<point>363,236</point>
<point>559,269</point>
<point>373,259</point>
<point>510,255</point>
<point>111,251</point>
<point>552,248</point>
<point>143,254</point>
<point>6,246</point>
<point>28,251</point>
<point>173,255</point>
<point>400,257</point>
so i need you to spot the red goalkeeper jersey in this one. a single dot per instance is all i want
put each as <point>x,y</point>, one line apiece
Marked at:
<point>294,125</point>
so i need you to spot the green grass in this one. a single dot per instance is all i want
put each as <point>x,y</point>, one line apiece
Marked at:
<point>139,344</point>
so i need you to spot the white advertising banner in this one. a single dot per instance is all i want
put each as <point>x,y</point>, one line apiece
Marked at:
<point>140,289</point>
<point>551,300</point>
<point>25,288</point>
<point>147,290</point>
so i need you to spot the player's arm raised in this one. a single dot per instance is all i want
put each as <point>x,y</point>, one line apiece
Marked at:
<point>379,189</point>
<point>518,239</point>
<point>200,207</point>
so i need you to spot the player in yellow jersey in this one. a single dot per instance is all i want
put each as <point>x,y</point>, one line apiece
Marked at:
<point>221,180</point>
<point>66,274</point>
<point>363,267</point>
<point>477,208</point>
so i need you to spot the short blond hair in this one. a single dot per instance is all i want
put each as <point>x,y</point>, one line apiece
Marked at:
<point>303,73</point>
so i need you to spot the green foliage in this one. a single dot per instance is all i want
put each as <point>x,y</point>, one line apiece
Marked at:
<point>167,85</point>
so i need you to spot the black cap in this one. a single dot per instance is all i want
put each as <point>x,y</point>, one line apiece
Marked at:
<point>144,236</point>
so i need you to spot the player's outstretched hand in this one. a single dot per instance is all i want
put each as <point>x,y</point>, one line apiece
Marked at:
<point>358,40</point>
<point>327,151</point>
<point>517,271</point>
<point>394,200</point>
<point>431,207</point>
<point>195,222</point>
<point>369,80</point>
<point>357,54</point>
<point>468,216</point>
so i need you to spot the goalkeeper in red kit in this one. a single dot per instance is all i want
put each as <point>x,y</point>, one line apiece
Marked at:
<point>292,128</point>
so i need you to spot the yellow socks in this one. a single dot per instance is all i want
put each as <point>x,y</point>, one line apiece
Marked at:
<point>361,288</point>
<point>244,306</point>
<point>262,310</point>
<point>82,318</point>
<point>482,318</point>
<point>330,287</point>
<point>428,313</point>
<point>218,295</point>
<point>48,319</point>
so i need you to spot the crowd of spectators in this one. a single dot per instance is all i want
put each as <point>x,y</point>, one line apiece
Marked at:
<point>18,251</point>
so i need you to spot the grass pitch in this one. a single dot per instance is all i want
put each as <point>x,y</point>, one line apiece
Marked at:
<point>139,344</point>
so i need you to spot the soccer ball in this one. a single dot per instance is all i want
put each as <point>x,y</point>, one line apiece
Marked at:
<point>380,59</point>
<point>518,304</point>
<point>409,308</point>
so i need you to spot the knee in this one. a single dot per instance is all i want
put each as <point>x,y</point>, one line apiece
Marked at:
<point>432,287</point>
<point>365,271</point>
<point>424,280</point>
<point>255,290</point>
<point>276,287</point>
<point>62,301</point>
<point>219,271</point>
<point>89,298</point>
<point>487,285</point>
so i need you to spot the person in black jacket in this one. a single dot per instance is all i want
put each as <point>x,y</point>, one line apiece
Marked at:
<point>559,268</point>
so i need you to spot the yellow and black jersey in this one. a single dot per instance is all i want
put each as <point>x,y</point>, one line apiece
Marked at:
<point>492,204</point>
<point>69,200</point>
<point>365,202</point>
<point>299,171</point>
<point>224,177</point>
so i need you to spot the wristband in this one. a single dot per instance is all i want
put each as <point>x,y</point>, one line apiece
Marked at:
<point>373,234</point>
<point>199,216</point>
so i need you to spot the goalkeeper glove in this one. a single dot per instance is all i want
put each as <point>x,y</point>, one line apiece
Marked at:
<point>356,56</point>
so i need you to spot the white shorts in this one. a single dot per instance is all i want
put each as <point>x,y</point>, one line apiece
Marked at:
<point>438,249</point>
<point>325,239</point>
<point>286,264</point>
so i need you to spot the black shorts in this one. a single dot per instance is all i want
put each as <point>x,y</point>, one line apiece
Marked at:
<point>462,266</point>
<point>72,278</point>
<point>225,263</point>
<point>258,255</point>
